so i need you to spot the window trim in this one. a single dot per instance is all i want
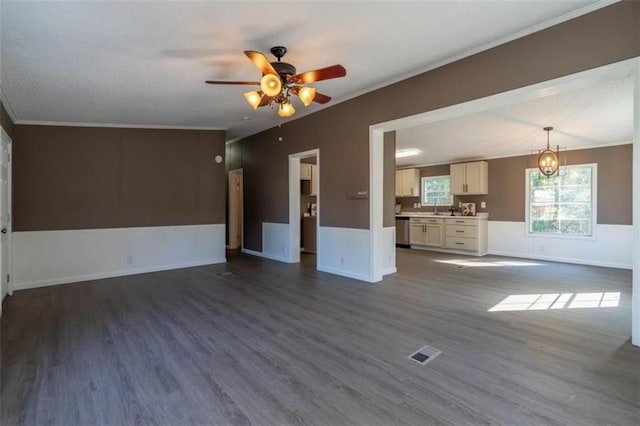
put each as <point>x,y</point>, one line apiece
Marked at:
<point>594,205</point>
<point>422,180</point>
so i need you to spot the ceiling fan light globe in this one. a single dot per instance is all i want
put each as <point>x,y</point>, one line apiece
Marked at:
<point>253,98</point>
<point>306,95</point>
<point>286,109</point>
<point>271,85</point>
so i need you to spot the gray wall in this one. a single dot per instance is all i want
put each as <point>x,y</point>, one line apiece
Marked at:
<point>506,198</point>
<point>84,177</point>
<point>341,132</point>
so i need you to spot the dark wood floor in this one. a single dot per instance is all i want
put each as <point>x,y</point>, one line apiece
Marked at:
<point>261,342</point>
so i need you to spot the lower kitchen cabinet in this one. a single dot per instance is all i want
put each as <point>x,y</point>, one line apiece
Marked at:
<point>427,232</point>
<point>451,234</point>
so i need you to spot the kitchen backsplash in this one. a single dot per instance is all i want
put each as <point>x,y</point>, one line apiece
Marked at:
<point>408,202</point>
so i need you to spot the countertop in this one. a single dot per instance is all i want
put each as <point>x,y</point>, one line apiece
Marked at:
<point>478,216</point>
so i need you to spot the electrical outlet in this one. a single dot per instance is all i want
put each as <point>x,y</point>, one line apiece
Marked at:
<point>342,260</point>
<point>483,204</point>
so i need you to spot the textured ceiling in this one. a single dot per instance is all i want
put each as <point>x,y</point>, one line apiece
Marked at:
<point>597,115</point>
<point>145,63</point>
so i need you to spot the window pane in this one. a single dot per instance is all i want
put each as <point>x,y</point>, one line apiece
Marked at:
<point>561,204</point>
<point>436,189</point>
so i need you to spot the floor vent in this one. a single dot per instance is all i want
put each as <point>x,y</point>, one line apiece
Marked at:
<point>424,355</point>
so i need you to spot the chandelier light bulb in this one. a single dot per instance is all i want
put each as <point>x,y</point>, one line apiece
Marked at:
<point>271,85</point>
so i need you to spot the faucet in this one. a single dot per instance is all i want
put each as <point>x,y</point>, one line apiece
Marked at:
<point>435,207</point>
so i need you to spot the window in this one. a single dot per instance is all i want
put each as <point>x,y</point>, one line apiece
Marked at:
<point>563,204</point>
<point>437,189</point>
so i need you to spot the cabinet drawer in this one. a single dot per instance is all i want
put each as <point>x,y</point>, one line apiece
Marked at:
<point>462,243</point>
<point>426,220</point>
<point>461,221</point>
<point>462,231</point>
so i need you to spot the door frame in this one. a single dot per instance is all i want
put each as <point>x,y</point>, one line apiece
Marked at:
<point>233,208</point>
<point>294,204</point>
<point>5,138</point>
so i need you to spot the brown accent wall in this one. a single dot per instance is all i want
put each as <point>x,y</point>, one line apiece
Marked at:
<point>507,180</point>
<point>608,35</point>
<point>86,177</point>
<point>5,121</point>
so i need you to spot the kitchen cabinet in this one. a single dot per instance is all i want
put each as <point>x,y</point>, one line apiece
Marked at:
<point>426,232</point>
<point>309,227</point>
<point>466,234</point>
<point>408,183</point>
<point>310,172</point>
<point>470,178</point>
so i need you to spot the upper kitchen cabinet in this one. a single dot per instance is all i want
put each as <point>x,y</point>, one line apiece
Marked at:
<point>470,178</point>
<point>407,183</point>
<point>310,172</point>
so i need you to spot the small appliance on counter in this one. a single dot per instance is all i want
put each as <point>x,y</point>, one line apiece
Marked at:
<point>398,208</point>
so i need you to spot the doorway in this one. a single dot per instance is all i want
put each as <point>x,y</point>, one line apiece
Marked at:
<point>380,245</point>
<point>304,207</point>
<point>5,216</point>
<point>236,217</point>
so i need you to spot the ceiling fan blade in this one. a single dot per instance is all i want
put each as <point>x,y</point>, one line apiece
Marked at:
<point>264,101</point>
<point>321,99</point>
<point>327,73</point>
<point>261,62</point>
<point>246,83</point>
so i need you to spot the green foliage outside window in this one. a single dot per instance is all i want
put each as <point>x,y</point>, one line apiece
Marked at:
<point>561,204</point>
<point>436,189</point>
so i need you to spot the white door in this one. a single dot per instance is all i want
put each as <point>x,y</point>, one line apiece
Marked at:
<point>5,218</point>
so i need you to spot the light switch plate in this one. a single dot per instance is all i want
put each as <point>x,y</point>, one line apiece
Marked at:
<point>483,204</point>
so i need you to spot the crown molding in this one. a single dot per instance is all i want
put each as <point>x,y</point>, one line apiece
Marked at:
<point>114,125</point>
<point>486,46</point>
<point>6,104</point>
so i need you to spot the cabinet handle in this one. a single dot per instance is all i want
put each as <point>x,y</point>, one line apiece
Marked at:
<point>460,244</point>
<point>459,221</point>
<point>460,231</point>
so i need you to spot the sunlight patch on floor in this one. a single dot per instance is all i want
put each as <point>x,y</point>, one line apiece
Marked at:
<point>546,301</point>
<point>485,263</point>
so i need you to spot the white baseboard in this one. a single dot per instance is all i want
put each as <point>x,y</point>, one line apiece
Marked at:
<point>42,258</point>
<point>345,273</point>
<point>265,255</point>
<point>389,271</point>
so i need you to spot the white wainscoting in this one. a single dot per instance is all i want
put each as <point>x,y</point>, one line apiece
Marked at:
<point>42,258</point>
<point>275,242</point>
<point>389,242</point>
<point>612,245</point>
<point>344,251</point>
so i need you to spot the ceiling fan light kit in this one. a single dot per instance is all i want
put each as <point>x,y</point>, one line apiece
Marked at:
<point>279,82</point>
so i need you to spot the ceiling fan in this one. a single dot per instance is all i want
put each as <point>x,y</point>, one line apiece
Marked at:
<point>279,81</point>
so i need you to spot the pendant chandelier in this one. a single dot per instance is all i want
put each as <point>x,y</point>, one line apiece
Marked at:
<point>548,160</point>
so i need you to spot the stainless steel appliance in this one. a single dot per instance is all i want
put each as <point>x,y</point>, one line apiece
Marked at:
<point>402,232</point>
